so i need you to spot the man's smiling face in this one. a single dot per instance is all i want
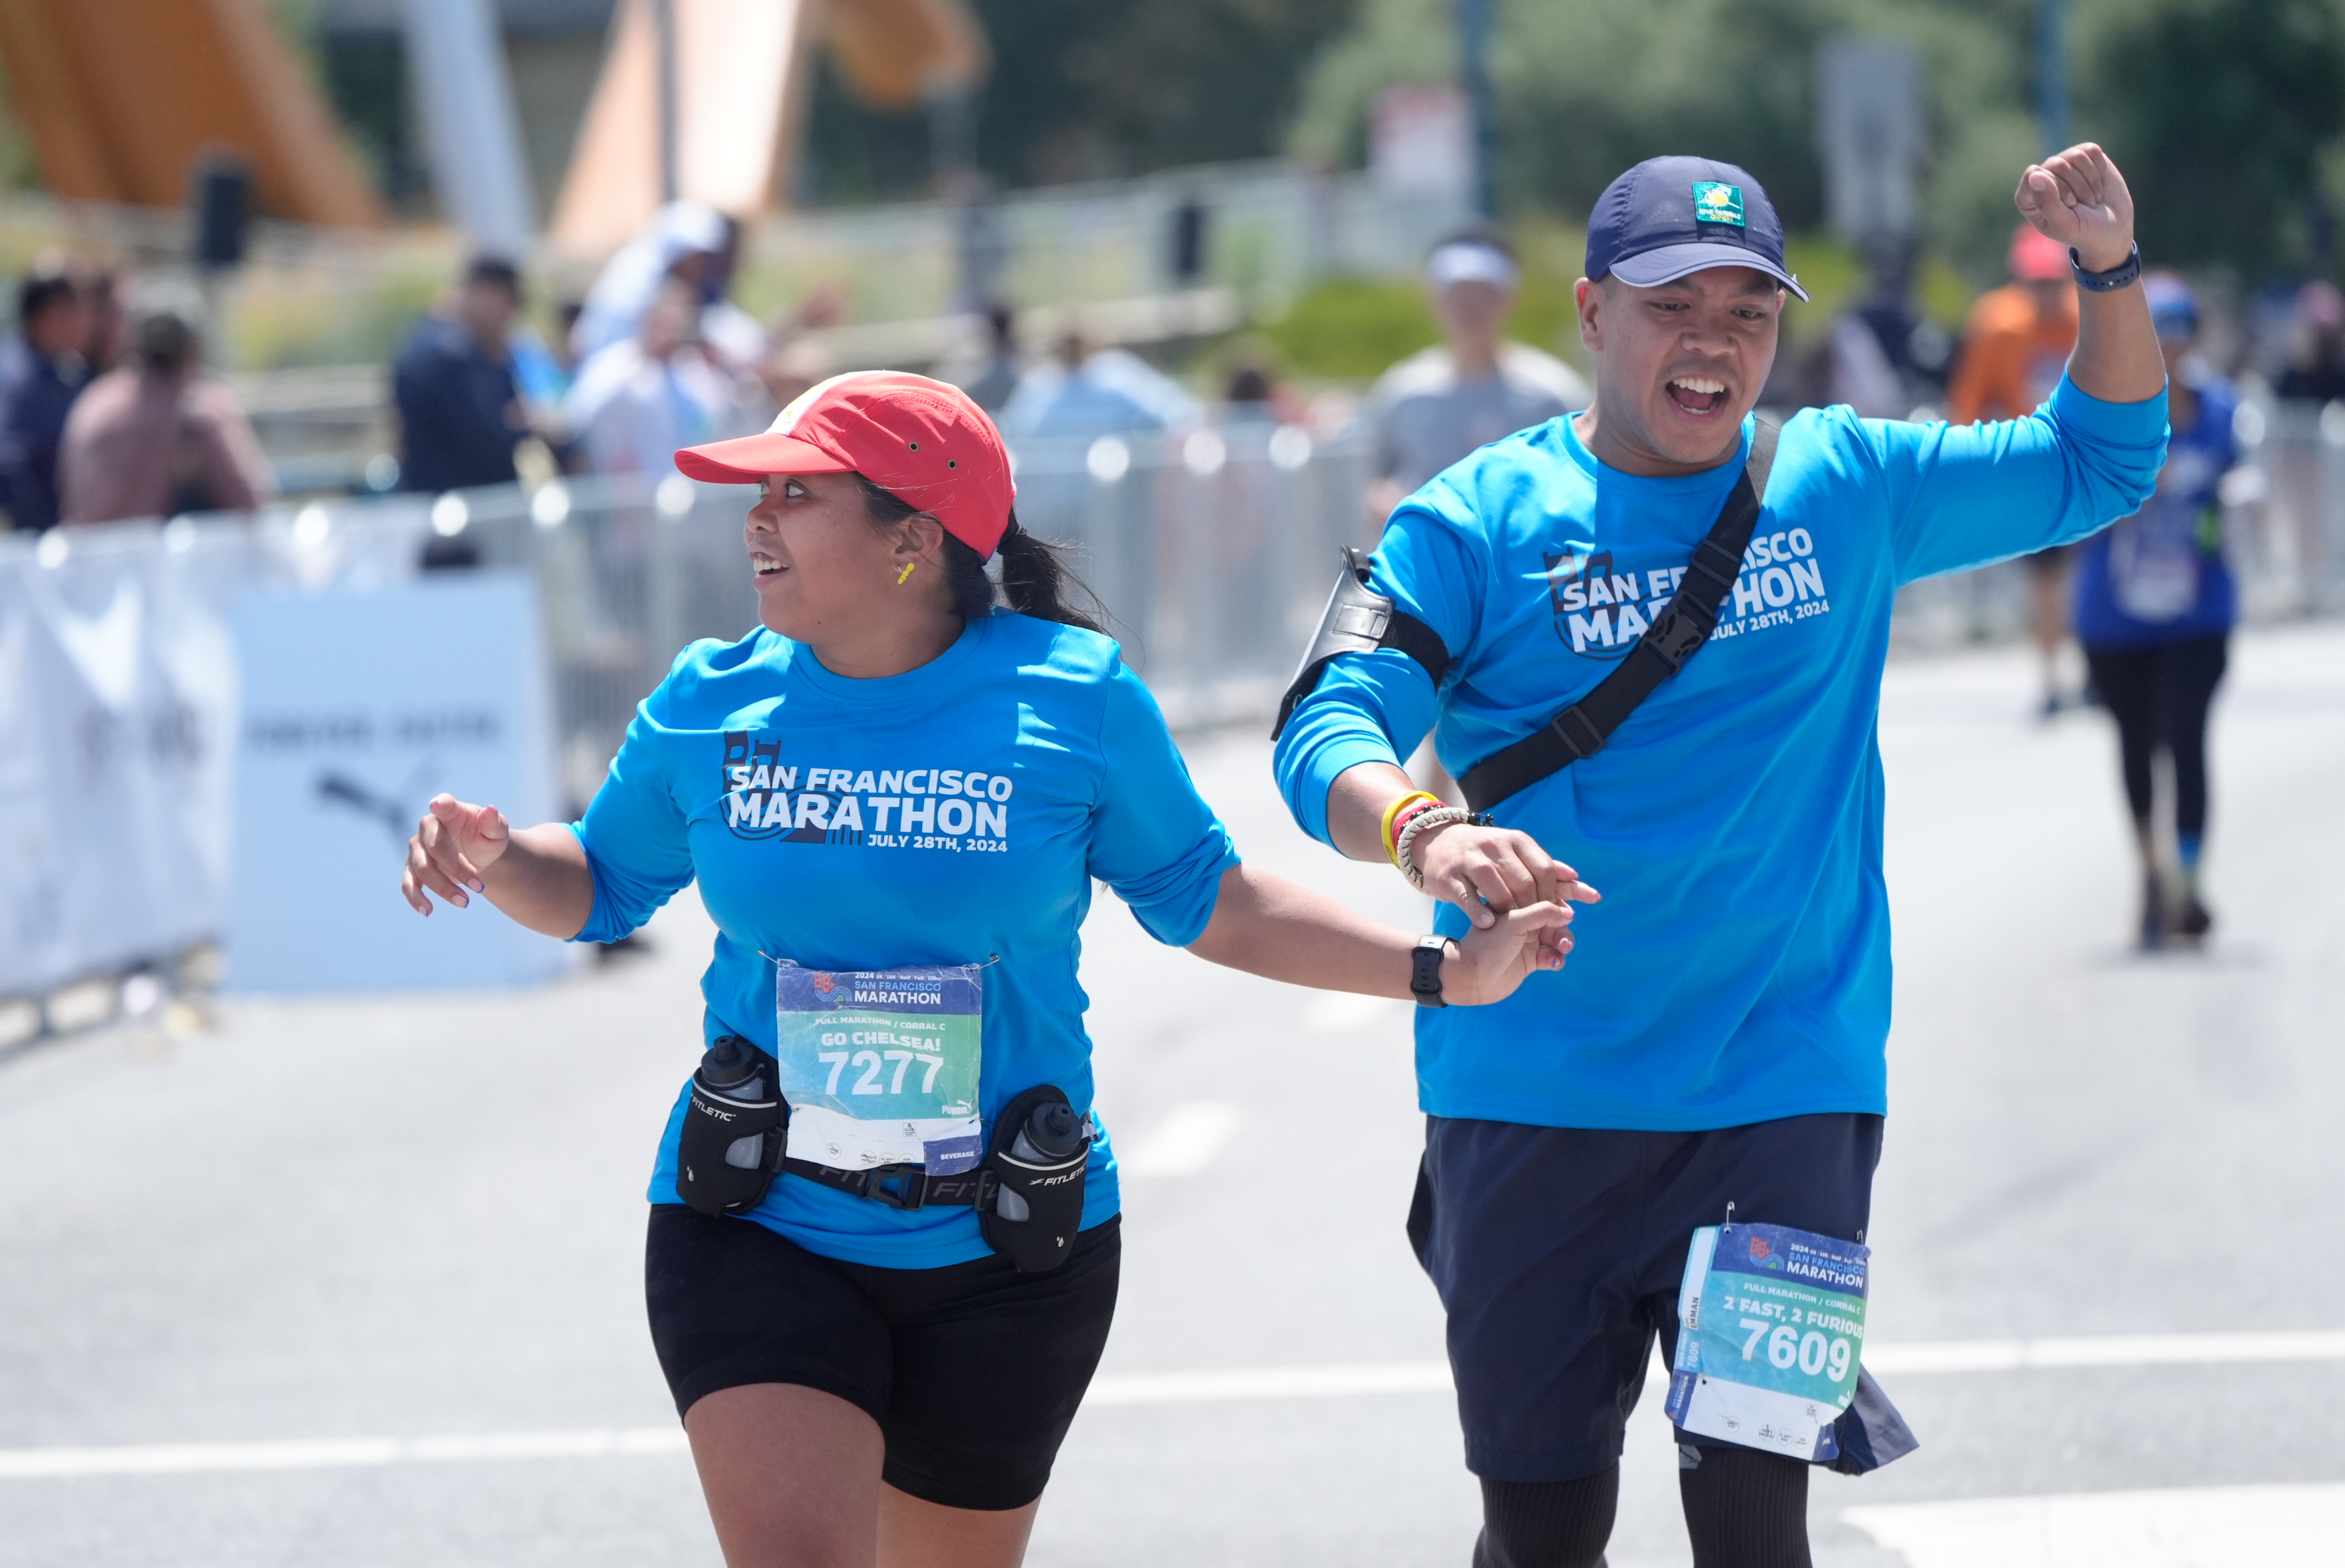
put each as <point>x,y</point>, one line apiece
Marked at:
<point>1678,365</point>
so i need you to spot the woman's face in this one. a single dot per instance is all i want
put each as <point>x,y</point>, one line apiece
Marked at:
<point>821,568</point>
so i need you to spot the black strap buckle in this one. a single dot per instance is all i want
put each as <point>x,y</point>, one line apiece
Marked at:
<point>897,1186</point>
<point>1578,732</point>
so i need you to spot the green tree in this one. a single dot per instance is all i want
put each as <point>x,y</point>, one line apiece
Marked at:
<point>2225,114</point>
<point>1587,87</point>
<point>1092,88</point>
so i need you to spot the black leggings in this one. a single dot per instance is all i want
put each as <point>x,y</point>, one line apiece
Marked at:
<point>1743,1508</point>
<point>2159,697</point>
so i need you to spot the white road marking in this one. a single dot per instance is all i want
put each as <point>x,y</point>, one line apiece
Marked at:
<point>1185,1141</point>
<point>1175,1388</point>
<point>336,1453</point>
<point>2199,1527</point>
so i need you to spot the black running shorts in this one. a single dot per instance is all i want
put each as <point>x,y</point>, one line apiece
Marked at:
<point>973,1370</point>
<point>1559,1252</point>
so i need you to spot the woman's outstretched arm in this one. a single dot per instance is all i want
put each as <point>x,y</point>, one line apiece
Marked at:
<point>538,876</point>
<point>1269,926</point>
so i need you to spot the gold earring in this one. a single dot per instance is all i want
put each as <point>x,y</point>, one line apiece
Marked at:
<point>905,575</point>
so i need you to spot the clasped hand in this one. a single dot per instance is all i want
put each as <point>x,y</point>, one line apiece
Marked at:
<point>1487,872</point>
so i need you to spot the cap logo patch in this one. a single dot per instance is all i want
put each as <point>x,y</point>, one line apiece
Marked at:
<point>1717,203</point>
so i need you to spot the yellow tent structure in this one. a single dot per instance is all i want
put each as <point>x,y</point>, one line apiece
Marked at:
<point>740,78</point>
<point>120,97</point>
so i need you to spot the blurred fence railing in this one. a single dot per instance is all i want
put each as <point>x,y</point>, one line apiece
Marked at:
<point>2284,537</point>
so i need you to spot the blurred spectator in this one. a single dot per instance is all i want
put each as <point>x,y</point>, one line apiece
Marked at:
<point>687,244</point>
<point>107,338</point>
<point>634,402</point>
<point>1254,396</point>
<point>2155,605</point>
<point>155,436</point>
<point>2316,348</point>
<point>460,412</point>
<point>793,364</point>
<point>1473,387</point>
<point>41,373</point>
<point>1881,359</point>
<point>2015,350</point>
<point>991,387</point>
<point>1086,391</point>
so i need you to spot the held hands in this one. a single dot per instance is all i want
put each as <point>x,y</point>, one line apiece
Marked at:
<point>452,845</point>
<point>1493,960</point>
<point>1487,872</point>
<point>2079,198</point>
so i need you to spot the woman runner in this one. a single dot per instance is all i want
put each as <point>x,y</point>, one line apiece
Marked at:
<point>892,773</point>
<point>2155,605</point>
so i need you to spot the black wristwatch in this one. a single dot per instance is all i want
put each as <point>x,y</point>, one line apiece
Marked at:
<point>2116,278</point>
<point>1425,971</point>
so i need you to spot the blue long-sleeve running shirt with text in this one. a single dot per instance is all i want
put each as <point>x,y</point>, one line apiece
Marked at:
<point>1737,970</point>
<point>944,816</point>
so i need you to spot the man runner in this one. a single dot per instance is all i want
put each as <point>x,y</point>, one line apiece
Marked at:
<point>1719,1036</point>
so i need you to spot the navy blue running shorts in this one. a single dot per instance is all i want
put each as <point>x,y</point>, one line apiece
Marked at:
<point>1557,1252</point>
<point>973,1370</point>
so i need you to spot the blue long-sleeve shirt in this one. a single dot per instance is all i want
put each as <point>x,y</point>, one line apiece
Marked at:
<point>1738,967</point>
<point>942,815</point>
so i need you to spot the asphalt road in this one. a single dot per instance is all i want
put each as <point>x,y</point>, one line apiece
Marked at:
<point>356,1281</point>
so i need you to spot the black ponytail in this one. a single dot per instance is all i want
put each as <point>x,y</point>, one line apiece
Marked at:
<point>1035,576</point>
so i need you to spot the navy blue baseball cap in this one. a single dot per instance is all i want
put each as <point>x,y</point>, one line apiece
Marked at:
<point>1668,216</point>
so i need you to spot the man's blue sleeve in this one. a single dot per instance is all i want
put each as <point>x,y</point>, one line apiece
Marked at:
<point>1377,707</point>
<point>633,832</point>
<point>1965,495</point>
<point>1153,839</point>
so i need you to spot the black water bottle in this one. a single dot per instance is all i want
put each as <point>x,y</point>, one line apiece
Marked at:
<point>1050,1135</point>
<point>731,1068</point>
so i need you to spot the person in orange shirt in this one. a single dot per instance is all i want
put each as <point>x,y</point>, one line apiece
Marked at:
<point>2015,346</point>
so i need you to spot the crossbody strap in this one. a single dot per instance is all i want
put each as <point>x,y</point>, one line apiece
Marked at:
<point>1676,634</point>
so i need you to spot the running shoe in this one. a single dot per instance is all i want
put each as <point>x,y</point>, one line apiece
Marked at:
<point>2192,922</point>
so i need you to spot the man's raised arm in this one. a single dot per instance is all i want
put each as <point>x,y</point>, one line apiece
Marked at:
<point>2080,199</point>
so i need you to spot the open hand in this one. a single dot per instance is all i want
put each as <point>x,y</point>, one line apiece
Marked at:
<point>1486,871</point>
<point>1491,961</point>
<point>454,842</point>
<point>2079,198</point>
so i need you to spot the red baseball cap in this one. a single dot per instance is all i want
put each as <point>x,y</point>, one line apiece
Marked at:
<point>2036,257</point>
<point>922,441</point>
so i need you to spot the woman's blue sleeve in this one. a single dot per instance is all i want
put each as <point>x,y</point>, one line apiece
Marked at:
<point>633,833</point>
<point>1153,839</point>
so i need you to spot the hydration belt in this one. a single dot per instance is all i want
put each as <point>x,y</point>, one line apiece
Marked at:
<point>1028,1207</point>
<point>1360,620</point>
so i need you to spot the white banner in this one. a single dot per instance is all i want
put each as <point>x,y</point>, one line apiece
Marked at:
<point>359,707</point>
<point>118,706</point>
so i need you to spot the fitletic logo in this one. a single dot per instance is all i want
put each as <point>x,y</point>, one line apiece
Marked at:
<point>1716,203</point>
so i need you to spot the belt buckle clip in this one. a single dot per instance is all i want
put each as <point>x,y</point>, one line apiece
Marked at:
<point>897,1186</point>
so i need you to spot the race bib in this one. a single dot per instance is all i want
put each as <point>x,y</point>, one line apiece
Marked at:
<point>880,1066</point>
<point>1771,1327</point>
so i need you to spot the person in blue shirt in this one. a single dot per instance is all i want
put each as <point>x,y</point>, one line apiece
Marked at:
<point>461,412</point>
<point>2155,605</point>
<point>41,373</point>
<point>890,774</point>
<point>1720,1037</point>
